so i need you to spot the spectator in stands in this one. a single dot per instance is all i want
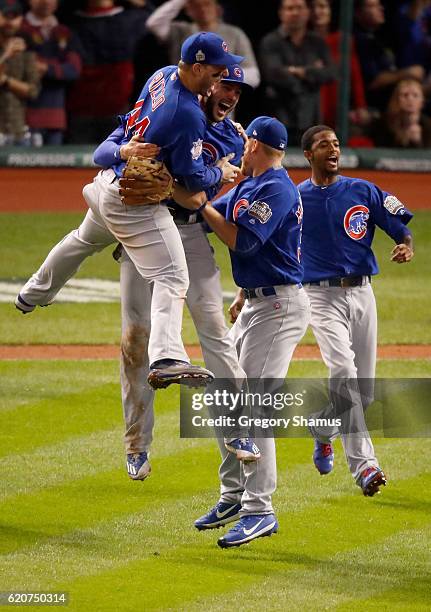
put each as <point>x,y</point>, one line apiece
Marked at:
<point>295,63</point>
<point>411,26</point>
<point>107,35</point>
<point>58,64</point>
<point>205,15</point>
<point>403,124</point>
<point>19,79</point>
<point>321,23</point>
<point>378,65</point>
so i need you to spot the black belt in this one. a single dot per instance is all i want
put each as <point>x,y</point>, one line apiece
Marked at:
<point>262,291</point>
<point>183,217</point>
<point>343,281</point>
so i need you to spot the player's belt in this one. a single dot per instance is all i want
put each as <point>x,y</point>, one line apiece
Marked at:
<point>343,281</point>
<point>184,217</point>
<point>249,294</point>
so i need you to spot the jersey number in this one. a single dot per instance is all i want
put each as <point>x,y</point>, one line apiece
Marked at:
<point>140,126</point>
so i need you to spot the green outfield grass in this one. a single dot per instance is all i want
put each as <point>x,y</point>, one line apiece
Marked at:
<point>403,292</point>
<point>71,519</point>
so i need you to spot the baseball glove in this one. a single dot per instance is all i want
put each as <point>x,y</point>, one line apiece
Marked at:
<point>145,181</point>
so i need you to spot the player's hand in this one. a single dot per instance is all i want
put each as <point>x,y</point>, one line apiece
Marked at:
<point>236,306</point>
<point>240,130</point>
<point>230,172</point>
<point>402,253</point>
<point>137,146</point>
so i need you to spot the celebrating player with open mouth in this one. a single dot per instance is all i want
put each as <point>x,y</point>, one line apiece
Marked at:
<point>340,218</point>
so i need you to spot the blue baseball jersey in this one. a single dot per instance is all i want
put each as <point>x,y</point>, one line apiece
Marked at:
<point>221,138</point>
<point>169,115</point>
<point>269,206</point>
<point>339,226</point>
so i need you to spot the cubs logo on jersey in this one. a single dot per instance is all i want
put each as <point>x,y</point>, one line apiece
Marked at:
<point>355,221</point>
<point>210,150</point>
<point>241,204</point>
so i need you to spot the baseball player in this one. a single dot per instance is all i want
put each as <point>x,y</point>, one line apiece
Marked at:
<point>340,218</point>
<point>204,296</point>
<point>167,112</point>
<point>260,222</point>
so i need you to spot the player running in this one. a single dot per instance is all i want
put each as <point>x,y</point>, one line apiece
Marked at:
<point>340,218</point>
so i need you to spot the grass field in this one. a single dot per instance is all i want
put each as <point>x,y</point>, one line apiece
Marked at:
<point>72,521</point>
<point>403,292</point>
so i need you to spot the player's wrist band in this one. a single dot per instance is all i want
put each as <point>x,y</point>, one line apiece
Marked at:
<point>201,207</point>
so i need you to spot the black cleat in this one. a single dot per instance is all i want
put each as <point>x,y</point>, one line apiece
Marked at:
<point>169,372</point>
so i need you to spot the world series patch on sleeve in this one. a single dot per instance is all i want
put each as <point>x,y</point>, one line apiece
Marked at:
<point>145,181</point>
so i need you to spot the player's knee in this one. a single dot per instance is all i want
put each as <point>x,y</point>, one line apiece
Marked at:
<point>87,193</point>
<point>134,345</point>
<point>343,370</point>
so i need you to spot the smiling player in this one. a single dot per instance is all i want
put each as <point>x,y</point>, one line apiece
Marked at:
<point>340,218</point>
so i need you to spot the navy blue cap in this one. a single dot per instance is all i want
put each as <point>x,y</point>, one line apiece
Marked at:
<point>270,131</point>
<point>236,75</point>
<point>208,48</point>
<point>11,7</point>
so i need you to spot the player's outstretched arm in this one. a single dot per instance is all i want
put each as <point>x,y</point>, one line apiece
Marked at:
<point>225,230</point>
<point>138,148</point>
<point>403,253</point>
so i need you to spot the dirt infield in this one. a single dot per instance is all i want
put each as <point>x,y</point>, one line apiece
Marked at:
<point>109,351</point>
<point>59,189</point>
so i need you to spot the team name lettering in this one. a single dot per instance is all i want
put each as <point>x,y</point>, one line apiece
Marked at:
<point>157,90</point>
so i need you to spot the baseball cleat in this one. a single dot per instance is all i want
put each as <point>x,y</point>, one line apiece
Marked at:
<point>170,371</point>
<point>22,305</point>
<point>25,307</point>
<point>371,479</point>
<point>137,466</point>
<point>249,528</point>
<point>244,449</point>
<point>221,514</point>
<point>323,457</point>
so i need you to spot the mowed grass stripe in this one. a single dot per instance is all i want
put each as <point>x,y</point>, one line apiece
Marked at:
<point>83,456</point>
<point>296,454</point>
<point>27,382</point>
<point>78,525</point>
<point>300,581</point>
<point>55,419</point>
<point>113,553</point>
<point>309,545</point>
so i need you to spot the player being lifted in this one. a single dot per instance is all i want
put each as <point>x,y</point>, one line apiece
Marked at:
<point>168,112</point>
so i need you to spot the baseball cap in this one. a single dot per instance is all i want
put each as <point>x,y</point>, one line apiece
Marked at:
<point>236,75</point>
<point>11,7</point>
<point>268,130</point>
<point>208,48</point>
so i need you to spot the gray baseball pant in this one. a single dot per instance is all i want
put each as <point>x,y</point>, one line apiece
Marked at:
<point>266,334</point>
<point>344,322</point>
<point>205,302</point>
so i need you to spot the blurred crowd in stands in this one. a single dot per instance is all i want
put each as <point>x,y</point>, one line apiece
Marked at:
<point>68,68</point>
